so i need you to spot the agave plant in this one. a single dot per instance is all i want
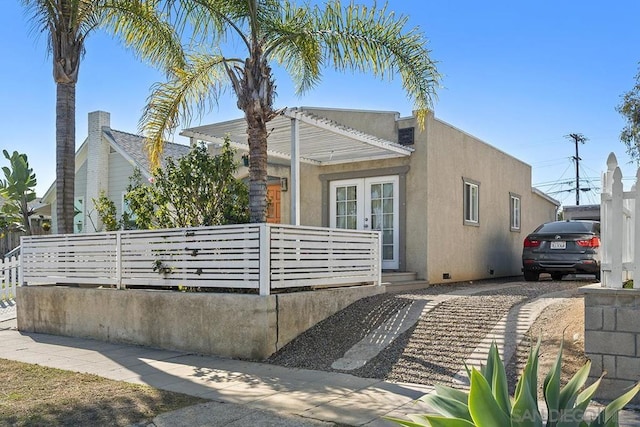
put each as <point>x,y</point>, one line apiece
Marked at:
<point>488,403</point>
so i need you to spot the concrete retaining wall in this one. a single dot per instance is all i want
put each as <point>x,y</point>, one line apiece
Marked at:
<point>232,325</point>
<point>612,338</point>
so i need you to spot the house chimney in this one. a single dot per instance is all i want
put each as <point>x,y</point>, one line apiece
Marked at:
<point>97,167</point>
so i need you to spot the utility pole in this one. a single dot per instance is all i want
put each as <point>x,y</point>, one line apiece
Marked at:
<point>577,138</point>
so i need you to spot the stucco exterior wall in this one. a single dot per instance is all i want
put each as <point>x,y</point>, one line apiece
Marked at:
<point>490,248</point>
<point>540,211</point>
<point>379,123</point>
<point>435,238</point>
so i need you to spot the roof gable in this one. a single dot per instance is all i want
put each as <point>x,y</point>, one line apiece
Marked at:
<point>133,148</point>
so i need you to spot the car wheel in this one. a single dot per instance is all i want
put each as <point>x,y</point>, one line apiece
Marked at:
<point>557,276</point>
<point>531,276</point>
<point>598,276</point>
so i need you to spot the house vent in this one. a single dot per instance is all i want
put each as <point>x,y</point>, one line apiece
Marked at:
<point>405,136</point>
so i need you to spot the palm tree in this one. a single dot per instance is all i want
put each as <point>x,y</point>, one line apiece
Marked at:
<point>67,23</point>
<point>303,40</point>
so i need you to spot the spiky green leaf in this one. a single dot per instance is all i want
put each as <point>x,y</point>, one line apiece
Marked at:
<point>436,421</point>
<point>484,410</point>
<point>447,406</point>
<point>451,393</point>
<point>552,387</point>
<point>569,392</point>
<point>608,416</point>
<point>525,411</point>
<point>499,385</point>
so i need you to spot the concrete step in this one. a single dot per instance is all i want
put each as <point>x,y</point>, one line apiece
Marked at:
<point>396,281</point>
<point>409,285</point>
<point>398,276</point>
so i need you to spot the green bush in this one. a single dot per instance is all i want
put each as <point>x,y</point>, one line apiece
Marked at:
<point>488,403</point>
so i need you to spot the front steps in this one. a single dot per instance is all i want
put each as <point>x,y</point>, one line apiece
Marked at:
<point>396,281</point>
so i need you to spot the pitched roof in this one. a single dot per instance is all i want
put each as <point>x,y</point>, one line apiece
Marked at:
<point>134,146</point>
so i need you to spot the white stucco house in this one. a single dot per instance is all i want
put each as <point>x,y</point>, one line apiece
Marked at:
<point>449,206</point>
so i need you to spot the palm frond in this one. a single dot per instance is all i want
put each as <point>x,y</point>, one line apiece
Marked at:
<point>141,25</point>
<point>290,44</point>
<point>358,38</point>
<point>194,88</point>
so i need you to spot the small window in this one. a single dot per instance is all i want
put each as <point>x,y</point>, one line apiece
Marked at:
<point>471,202</point>
<point>78,215</point>
<point>514,207</point>
<point>128,217</point>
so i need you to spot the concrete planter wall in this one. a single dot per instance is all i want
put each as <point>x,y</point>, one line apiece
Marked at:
<point>232,325</point>
<point>612,338</point>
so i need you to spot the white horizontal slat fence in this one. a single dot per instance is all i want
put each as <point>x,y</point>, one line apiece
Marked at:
<point>10,277</point>
<point>262,257</point>
<point>310,257</point>
<point>620,227</point>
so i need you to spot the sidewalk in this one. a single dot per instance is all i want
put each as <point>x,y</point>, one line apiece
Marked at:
<point>274,395</point>
<point>241,392</point>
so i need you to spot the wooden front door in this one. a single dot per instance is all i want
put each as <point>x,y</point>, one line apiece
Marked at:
<point>273,203</point>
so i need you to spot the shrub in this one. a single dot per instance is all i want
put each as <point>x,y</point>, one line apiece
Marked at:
<point>488,404</point>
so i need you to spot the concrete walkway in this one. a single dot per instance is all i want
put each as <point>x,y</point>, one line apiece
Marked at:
<point>275,395</point>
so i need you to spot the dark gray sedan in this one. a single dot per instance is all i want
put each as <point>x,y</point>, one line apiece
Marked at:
<point>560,248</point>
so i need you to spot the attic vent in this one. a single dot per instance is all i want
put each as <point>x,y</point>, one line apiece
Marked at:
<point>405,136</point>
<point>112,150</point>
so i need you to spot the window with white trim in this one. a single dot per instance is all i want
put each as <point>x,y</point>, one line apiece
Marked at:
<point>514,208</point>
<point>128,218</point>
<point>78,215</point>
<point>471,202</point>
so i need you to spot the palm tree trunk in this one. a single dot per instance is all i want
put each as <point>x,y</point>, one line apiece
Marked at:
<point>257,138</point>
<point>65,155</point>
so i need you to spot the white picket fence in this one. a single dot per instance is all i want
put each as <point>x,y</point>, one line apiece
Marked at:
<point>10,277</point>
<point>264,257</point>
<point>620,227</point>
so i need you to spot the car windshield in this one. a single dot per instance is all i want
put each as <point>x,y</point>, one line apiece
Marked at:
<point>569,227</point>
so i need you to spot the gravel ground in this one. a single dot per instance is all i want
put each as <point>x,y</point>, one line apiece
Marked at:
<point>433,350</point>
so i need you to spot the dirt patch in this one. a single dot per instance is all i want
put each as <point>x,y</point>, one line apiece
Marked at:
<point>33,395</point>
<point>560,321</point>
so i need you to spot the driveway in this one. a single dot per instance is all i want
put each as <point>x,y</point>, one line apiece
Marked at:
<point>426,336</point>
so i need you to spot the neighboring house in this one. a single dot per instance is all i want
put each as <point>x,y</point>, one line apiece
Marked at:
<point>589,212</point>
<point>39,222</point>
<point>105,162</point>
<point>450,207</point>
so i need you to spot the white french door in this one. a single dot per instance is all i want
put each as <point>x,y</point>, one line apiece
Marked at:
<point>369,204</point>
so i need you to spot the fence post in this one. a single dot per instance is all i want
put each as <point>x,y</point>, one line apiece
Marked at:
<point>636,229</point>
<point>379,258</point>
<point>21,263</point>
<point>615,231</point>
<point>265,258</point>
<point>4,278</point>
<point>119,260</point>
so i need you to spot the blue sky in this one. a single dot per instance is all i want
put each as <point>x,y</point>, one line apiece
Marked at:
<point>519,75</point>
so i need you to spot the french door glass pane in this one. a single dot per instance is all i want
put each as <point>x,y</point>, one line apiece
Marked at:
<point>387,251</point>
<point>351,192</point>
<point>346,207</point>
<point>375,191</point>
<point>375,222</point>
